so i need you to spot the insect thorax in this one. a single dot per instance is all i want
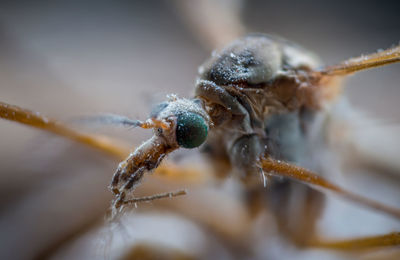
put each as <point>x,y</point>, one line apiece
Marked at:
<point>261,98</point>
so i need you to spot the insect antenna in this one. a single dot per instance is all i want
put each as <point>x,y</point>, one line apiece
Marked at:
<point>108,119</point>
<point>118,120</point>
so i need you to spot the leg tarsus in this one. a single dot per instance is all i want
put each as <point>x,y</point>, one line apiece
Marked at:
<point>120,200</point>
<point>170,194</point>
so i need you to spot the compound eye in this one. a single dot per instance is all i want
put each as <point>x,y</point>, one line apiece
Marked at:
<point>191,130</point>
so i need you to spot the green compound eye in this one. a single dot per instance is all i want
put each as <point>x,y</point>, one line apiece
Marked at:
<point>191,130</point>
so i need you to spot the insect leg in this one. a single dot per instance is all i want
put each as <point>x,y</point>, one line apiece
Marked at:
<point>35,119</point>
<point>114,182</point>
<point>211,91</point>
<point>208,90</point>
<point>156,197</point>
<point>134,178</point>
<point>363,62</point>
<point>146,157</point>
<point>279,168</point>
<point>387,240</point>
<point>124,168</point>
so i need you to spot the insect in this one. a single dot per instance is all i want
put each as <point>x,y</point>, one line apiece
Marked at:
<point>253,109</point>
<point>256,105</point>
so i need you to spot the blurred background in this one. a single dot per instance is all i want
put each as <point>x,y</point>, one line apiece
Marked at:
<point>73,58</point>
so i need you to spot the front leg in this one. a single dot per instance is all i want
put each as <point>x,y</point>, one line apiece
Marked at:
<point>215,94</point>
<point>131,171</point>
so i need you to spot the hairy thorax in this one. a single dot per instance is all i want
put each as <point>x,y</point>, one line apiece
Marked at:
<point>256,87</point>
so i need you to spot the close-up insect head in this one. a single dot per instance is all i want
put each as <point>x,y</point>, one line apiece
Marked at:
<point>204,129</point>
